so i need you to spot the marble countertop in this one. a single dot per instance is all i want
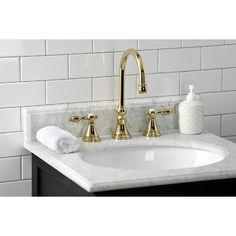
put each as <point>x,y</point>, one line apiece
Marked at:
<point>97,178</point>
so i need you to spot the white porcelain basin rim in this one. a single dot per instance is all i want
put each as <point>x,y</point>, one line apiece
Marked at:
<point>154,158</point>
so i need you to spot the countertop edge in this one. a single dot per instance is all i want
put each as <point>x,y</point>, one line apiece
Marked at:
<point>62,168</point>
<point>50,158</point>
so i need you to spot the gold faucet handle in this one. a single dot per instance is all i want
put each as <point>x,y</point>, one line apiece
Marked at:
<point>151,113</point>
<point>76,118</point>
<point>152,129</point>
<point>91,134</point>
<point>164,112</point>
<point>91,117</point>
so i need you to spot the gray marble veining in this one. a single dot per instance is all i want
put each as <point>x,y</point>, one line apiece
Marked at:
<point>98,178</point>
<point>95,178</point>
<point>36,118</point>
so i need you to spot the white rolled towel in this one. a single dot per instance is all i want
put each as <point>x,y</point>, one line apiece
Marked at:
<point>58,139</point>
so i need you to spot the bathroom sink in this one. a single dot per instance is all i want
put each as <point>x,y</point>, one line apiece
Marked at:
<point>154,158</point>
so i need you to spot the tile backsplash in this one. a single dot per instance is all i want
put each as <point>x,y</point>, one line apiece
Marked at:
<point>47,72</point>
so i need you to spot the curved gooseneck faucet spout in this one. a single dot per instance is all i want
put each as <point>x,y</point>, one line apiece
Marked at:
<point>121,131</point>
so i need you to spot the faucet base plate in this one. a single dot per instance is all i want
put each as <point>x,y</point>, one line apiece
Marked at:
<point>152,133</point>
<point>121,133</point>
<point>91,139</point>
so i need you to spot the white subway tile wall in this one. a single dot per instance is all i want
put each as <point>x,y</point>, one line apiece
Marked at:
<point>230,41</point>
<point>23,47</point>
<point>44,68</point>
<point>228,127</point>
<point>113,45</point>
<point>204,42</point>
<point>158,44</point>
<point>212,124</point>
<point>12,145</point>
<point>91,65</point>
<point>66,91</point>
<point>183,59</point>
<point>39,72</point>
<point>10,169</point>
<point>9,70</point>
<point>218,57</point>
<point>229,76</point>
<point>22,94</point>
<point>10,120</point>
<point>165,84</point>
<point>204,81</point>
<point>68,46</point>
<point>16,188</point>
<point>106,88</point>
<point>26,162</point>
<point>219,103</point>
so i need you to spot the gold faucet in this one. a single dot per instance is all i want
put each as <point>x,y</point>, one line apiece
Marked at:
<point>152,129</point>
<point>121,131</point>
<point>91,134</point>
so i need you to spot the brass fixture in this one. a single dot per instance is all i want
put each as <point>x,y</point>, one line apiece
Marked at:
<point>91,134</point>
<point>121,131</point>
<point>76,118</point>
<point>152,129</point>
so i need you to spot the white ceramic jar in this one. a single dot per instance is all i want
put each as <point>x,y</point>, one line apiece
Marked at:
<point>191,113</point>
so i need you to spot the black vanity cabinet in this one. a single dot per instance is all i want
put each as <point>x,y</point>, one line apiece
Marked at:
<point>47,181</point>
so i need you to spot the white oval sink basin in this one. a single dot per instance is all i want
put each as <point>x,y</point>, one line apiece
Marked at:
<point>154,158</point>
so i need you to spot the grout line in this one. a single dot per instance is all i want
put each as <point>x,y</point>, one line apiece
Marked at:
<point>211,115</point>
<point>223,114</point>
<point>20,69</point>
<point>104,76</point>
<point>92,89</point>
<point>222,81</point>
<point>113,63</point>
<point>35,55</point>
<point>82,53</point>
<point>11,132</point>
<point>114,55</point>
<point>45,91</point>
<point>36,105</point>
<point>21,127</point>
<point>9,157</point>
<point>165,72</point>
<point>201,58</point>
<point>68,66</point>
<point>192,70</point>
<point>219,92</point>
<point>229,113</point>
<point>158,61</point>
<point>21,168</point>
<point>47,80</point>
<point>180,84</point>
<point>45,45</point>
<point>207,46</point>
<point>222,78</point>
<point>229,136</point>
<point>14,181</point>
<point>220,124</point>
